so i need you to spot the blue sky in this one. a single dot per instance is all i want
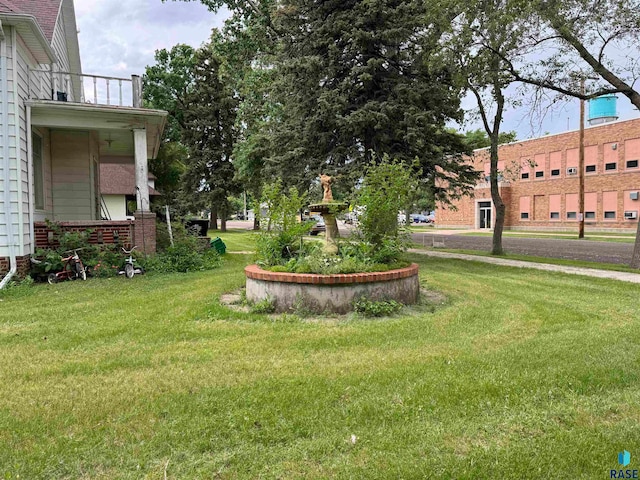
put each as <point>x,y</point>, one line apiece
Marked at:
<point>119,37</point>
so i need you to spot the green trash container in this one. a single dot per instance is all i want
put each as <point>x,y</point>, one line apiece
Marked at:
<point>219,245</point>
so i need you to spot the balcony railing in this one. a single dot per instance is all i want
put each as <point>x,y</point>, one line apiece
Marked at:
<point>92,89</point>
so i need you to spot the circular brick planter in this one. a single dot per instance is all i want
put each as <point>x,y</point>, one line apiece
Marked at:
<point>331,293</point>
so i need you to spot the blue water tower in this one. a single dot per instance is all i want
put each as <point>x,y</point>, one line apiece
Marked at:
<point>603,109</point>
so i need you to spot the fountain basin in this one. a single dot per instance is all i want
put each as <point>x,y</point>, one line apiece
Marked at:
<point>331,293</point>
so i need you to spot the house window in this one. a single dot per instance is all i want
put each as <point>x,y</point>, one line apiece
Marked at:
<point>590,215</point>
<point>609,215</point>
<point>525,176</point>
<point>555,215</point>
<point>632,163</point>
<point>571,215</point>
<point>539,174</point>
<point>524,215</point>
<point>38,175</point>
<point>611,166</point>
<point>590,168</point>
<point>130,204</point>
<point>555,172</point>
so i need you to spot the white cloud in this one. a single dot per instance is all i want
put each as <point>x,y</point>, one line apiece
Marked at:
<point>119,37</point>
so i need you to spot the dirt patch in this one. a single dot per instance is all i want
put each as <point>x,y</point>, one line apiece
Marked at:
<point>235,301</point>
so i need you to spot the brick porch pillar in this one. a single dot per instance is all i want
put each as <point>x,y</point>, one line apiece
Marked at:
<point>144,231</point>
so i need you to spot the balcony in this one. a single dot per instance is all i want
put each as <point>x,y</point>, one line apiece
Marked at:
<point>88,89</point>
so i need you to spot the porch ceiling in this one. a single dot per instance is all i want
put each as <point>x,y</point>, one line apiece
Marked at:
<point>114,124</point>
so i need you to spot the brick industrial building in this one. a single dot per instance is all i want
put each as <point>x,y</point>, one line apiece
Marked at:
<point>539,182</point>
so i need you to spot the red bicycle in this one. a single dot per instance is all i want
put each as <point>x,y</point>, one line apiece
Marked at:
<point>72,268</point>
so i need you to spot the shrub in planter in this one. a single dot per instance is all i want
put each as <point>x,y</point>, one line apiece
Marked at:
<point>280,237</point>
<point>384,192</point>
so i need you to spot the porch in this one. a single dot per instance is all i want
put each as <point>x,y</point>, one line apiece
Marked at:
<point>69,141</point>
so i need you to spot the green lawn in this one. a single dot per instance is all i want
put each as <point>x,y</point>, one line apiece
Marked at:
<point>236,240</point>
<point>522,374</point>
<point>531,258</point>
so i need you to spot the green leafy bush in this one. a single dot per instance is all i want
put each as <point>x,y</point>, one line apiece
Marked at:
<point>281,233</point>
<point>353,257</point>
<point>370,308</point>
<point>186,255</point>
<point>264,306</point>
<point>379,242</point>
<point>384,192</point>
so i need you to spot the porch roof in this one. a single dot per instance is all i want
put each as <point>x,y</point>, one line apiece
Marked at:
<point>103,118</point>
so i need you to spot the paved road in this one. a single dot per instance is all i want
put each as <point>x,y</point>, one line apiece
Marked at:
<point>606,252</point>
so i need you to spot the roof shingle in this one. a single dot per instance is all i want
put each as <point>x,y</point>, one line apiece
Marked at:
<point>45,11</point>
<point>120,179</point>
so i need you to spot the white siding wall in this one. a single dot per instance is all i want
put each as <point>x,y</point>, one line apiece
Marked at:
<point>10,179</point>
<point>59,46</point>
<point>116,206</point>
<point>41,215</point>
<point>71,179</point>
<point>22,63</point>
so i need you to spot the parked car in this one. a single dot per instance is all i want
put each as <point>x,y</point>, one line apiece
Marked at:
<point>319,225</point>
<point>419,218</point>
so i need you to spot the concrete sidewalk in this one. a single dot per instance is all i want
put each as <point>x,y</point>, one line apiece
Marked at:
<point>589,272</point>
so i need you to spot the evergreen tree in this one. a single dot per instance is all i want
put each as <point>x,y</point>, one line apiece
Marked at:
<point>359,79</point>
<point>209,133</point>
<point>166,85</point>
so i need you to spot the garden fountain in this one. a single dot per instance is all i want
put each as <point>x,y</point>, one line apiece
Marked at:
<point>330,293</point>
<point>328,209</point>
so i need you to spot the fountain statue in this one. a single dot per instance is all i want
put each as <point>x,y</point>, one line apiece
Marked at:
<point>329,208</point>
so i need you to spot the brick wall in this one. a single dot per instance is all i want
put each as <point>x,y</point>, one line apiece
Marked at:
<point>603,144</point>
<point>102,232</point>
<point>144,231</point>
<point>23,266</point>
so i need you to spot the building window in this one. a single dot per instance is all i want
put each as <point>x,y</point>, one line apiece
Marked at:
<point>525,176</point>
<point>590,215</point>
<point>555,172</point>
<point>38,175</point>
<point>555,215</point>
<point>571,215</point>
<point>632,163</point>
<point>609,215</point>
<point>611,166</point>
<point>130,204</point>
<point>539,174</point>
<point>590,168</point>
<point>524,216</point>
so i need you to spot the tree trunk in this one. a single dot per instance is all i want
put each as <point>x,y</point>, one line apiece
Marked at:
<point>223,218</point>
<point>256,223</point>
<point>635,259</point>
<point>213,222</point>
<point>496,246</point>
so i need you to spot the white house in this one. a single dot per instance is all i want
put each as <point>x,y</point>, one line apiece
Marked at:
<point>57,125</point>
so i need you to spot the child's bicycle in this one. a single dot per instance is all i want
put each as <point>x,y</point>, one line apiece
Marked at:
<point>72,268</point>
<point>130,268</point>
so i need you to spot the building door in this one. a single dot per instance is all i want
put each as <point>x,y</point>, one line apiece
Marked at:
<point>484,210</point>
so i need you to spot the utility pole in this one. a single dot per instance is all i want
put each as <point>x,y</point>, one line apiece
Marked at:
<point>581,165</point>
